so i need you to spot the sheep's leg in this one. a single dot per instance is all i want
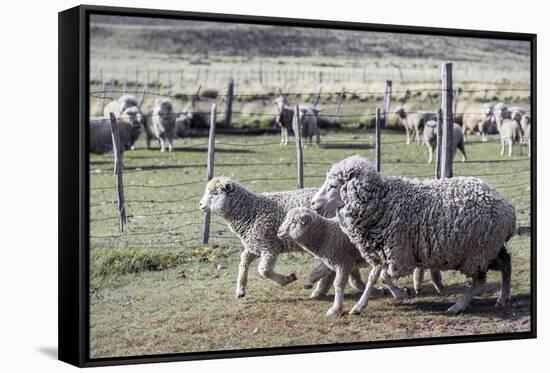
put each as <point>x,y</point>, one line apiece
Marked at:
<point>418,277</point>
<point>170,146</point>
<point>437,280</point>
<point>364,300</point>
<point>502,145</point>
<point>339,285</point>
<point>318,135</point>
<point>510,143</point>
<point>282,136</point>
<point>246,259</point>
<point>397,292</point>
<point>320,271</point>
<point>462,149</point>
<point>323,286</point>
<point>503,263</point>
<point>408,134</point>
<point>148,142</point>
<point>266,269</point>
<point>355,280</point>
<point>477,284</point>
<point>161,144</point>
<point>430,154</point>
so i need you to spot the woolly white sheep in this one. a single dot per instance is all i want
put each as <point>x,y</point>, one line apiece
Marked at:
<point>477,119</point>
<point>430,139</point>
<point>458,223</point>
<point>255,219</point>
<point>413,122</point>
<point>161,124</point>
<point>129,128</point>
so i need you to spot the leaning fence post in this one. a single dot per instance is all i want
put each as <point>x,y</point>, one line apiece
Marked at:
<point>387,99</point>
<point>299,149</point>
<point>112,89</point>
<point>118,170</point>
<point>125,83</point>
<point>228,103</point>
<point>458,91</point>
<point>447,107</point>
<point>210,168</point>
<point>439,139</point>
<point>377,140</point>
<point>102,95</point>
<point>339,105</point>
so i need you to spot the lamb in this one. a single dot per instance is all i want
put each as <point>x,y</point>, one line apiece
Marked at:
<point>475,120</point>
<point>161,124</point>
<point>129,128</point>
<point>430,139</point>
<point>414,122</point>
<point>391,221</point>
<point>525,124</point>
<point>324,239</point>
<point>118,106</point>
<point>510,132</point>
<point>310,127</point>
<point>255,219</point>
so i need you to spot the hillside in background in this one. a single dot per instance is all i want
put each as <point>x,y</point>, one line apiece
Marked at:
<point>225,39</point>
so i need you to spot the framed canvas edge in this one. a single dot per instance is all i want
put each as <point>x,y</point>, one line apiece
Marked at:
<point>73,298</point>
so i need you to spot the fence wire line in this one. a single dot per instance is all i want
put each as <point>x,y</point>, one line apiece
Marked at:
<point>184,96</point>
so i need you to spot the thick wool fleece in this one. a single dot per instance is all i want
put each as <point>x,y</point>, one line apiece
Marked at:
<point>450,224</point>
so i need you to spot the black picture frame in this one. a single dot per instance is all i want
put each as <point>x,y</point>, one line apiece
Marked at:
<point>74,183</point>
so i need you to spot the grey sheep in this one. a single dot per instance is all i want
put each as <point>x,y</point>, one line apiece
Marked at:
<point>255,220</point>
<point>414,122</point>
<point>525,124</point>
<point>161,124</point>
<point>430,139</point>
<point>456,223</point>
<point>310,126</point>
<point>129,128</point>
<point>479,119</point>
<point>323,238</point>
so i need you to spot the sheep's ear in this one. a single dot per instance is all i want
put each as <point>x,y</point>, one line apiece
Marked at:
<point>304,218</point>
<point>228,187</point>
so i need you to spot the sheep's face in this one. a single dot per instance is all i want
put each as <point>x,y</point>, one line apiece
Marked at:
<point>400,112</point>
<point>133,115</point>
<point>296,224</point>
<point>328,197</point>
<point>216,195</point>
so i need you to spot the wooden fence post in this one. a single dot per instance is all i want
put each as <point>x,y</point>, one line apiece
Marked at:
<point>143,94</point>
<point>387,99</point>
<point>181,78</point>
<point>296,127</point>
<point>261,79</point>
<point>136,81</point>
<point>228,103</point>
<point>339,105</point>
<point>101,95</point>
<point>210,168</point>
<point>169,76</point>
<point>118,170</point>
<point>377,140</point>
<point>158,81</point>
<point>318,97</point>
<point>458,91</point>
<point>125,83</point>
<point>195,97</point>
<point>439,135</point>
<point>447,107</point>
<point>112,89</point>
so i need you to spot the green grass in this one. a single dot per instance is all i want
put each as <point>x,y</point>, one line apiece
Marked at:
<point>162,292</point>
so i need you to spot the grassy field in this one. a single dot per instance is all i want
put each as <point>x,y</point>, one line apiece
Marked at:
<point>156,289</point>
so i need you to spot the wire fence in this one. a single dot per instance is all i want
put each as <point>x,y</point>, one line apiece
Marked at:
<point>184,206</point>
